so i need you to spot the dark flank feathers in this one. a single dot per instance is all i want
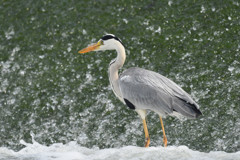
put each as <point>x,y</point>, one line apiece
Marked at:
<point>129,104</point>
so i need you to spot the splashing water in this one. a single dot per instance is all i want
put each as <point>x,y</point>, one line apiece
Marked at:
<point>64,98</point>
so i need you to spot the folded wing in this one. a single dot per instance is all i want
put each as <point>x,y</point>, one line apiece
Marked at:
<point>149,90</point>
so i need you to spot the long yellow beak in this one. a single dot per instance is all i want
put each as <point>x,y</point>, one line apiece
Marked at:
<point>90,48</point>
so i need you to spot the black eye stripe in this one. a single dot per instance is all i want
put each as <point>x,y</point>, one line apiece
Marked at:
<point>107,37</point>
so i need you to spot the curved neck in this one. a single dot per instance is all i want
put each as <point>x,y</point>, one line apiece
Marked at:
<point>113,70</point>
<point>119,61</point>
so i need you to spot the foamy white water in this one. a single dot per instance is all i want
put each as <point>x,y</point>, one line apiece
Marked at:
<point>73,151</point>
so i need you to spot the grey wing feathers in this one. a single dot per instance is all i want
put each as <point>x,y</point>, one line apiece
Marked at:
<point>149,90</point>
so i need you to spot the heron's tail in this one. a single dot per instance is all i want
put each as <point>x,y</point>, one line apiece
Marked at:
<point>185,108</point>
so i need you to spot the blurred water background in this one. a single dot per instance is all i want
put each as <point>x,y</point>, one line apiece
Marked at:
<point>52,94</point>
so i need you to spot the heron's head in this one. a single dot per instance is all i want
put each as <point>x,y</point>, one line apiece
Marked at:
<point>107,42</point>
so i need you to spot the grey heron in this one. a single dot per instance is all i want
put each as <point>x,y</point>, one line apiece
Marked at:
<point>142,89</point>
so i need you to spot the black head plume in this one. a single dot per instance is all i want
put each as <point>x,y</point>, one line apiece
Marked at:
<point>111,36</point>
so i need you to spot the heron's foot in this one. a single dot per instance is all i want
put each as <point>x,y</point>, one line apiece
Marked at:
<point>165,141</point>
<point>147,141</point>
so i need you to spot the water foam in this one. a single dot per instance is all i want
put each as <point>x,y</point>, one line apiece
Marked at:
<point>73,151</point>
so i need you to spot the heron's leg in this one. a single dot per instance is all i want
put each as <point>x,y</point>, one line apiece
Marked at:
<point>142,113</point>
<point>147,138</point>
<point>164,135</point>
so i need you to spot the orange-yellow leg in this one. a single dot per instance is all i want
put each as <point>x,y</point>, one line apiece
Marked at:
<point>147,138</point>
<point>164,135</point>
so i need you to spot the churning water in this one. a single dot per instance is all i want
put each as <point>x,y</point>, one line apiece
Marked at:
<point>63,99</point>
<point>72,151</point>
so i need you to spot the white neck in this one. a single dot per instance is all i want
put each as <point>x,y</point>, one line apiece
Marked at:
<point>113,70</point>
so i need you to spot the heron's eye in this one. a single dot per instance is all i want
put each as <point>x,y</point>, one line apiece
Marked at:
<point>101,42</point>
